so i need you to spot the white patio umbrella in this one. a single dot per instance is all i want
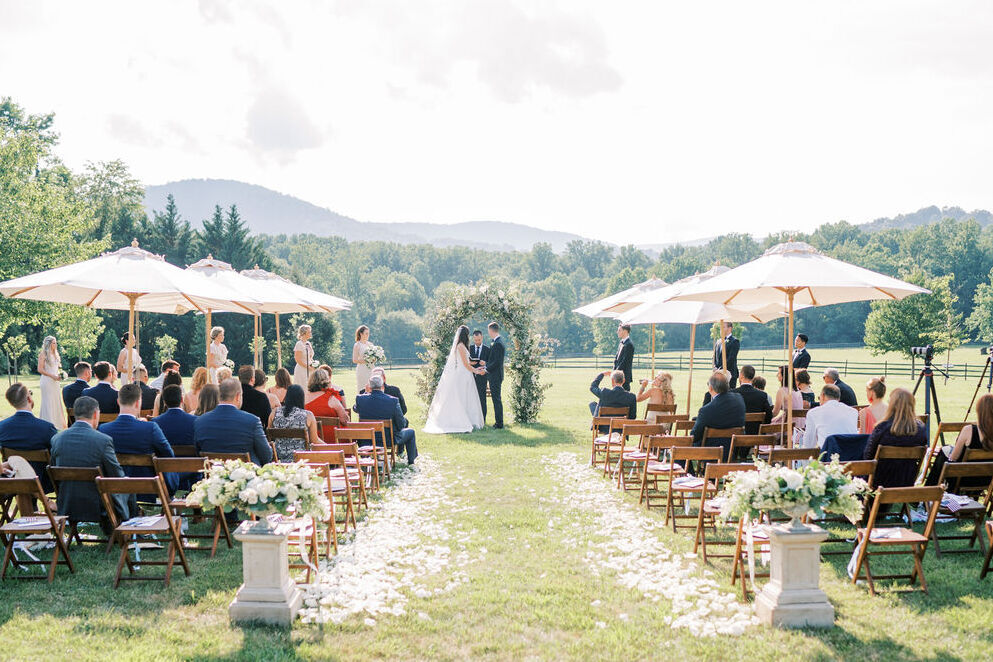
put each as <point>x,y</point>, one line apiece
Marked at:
<point>795,273</point>
<point>129,279</point>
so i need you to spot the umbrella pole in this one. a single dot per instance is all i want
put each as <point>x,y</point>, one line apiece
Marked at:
<point>132,298</point>
<point>789,373</point>
<point>206,335</point>
<point>256,320</point>
<point>653,350</point>
<point>724,350</point>
<point>279,346</point>
<point>689,384</point>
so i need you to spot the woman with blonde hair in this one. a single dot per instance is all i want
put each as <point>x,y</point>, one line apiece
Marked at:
<point>210,396</point>
<point>217,354</point>
<point>322,400</point>
<point>900,427</point>
<point>49,365</point>
<point>303,355</point>
<point>363,371</point>
<point>201,377</point>
<point>657,392</point>
<point>875,390</point>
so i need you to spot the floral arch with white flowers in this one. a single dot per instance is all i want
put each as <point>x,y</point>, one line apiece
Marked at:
<point>525,350</point>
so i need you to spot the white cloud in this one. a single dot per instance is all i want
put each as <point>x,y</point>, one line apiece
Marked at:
<point>278,124</point>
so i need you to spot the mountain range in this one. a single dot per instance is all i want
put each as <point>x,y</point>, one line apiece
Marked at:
<point>269,212</point>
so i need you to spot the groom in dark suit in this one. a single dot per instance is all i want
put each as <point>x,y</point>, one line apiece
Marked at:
<point>479,354</point>
<point>625,354</point>
<point>733,344</point>
<point>494,372</point>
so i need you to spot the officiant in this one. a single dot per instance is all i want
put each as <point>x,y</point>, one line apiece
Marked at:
<point>479,354</point>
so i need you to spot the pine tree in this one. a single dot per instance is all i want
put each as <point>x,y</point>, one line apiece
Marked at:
<point>170,235</point>
<point>210,240</point>
<point>110,347</point>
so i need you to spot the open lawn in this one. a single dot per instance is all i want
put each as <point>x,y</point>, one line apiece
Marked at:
<point>530,591</point>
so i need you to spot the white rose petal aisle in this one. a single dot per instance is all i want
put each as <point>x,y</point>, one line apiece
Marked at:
<point>622,538</point>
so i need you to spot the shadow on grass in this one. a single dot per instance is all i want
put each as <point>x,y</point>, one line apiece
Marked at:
<point>849,647</point>
<point>528,436</point>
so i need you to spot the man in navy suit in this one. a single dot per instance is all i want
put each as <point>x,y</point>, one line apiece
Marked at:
<point>72,391</point>
<point>227,429</point>
<point>134,437</point>
<point>24,431</point>
<point>377,406</point>
<point>615,396</point>
<point>176,424</point>
<point>625,354</point>
<point>479,354</point>
<point>733,345</point>
<point>148,394</point>
<point>725,410</point>
<point>104,392</point>
<point>801,357</point>
<point>494,372</point>
<point>755,400</point>
<point>832,376</point>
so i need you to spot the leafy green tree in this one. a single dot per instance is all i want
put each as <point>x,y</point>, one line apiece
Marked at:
<point>116,199</point>
<point>918,320</point>
<point>399,332</point>
<point>14,347</point>
<point>169,235</point>
<point>593,256</point>
<point>981,319</point>
<point>77,330</point>
<point>110,347</point>
<point>541,261</point>
<point>165,348</point>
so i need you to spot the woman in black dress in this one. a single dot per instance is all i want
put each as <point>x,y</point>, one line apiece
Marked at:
<point>899,428</point>
<point>972,437</point>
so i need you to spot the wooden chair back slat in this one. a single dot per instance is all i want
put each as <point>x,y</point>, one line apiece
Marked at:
<point>642,429</point>
<point>81,474</point>
<point>977,455</point>
<point>683,426</point>
<point>135,460</point>
<point>884,452</point>
<point>128,485</point>
<point>790,455</point>
<point>755,417</point>
<point>663,409</point>
<point>721,433</point>
<point>708,454</point>
<point>909,494</point>
<point>611,412</point>
<point>355,434</point>
<point>715,471</point>
<point>245,457</point>
<point>107,418</point>
<point>38,455</point>
<point>286,433</point>
<point>183,450</point>
<point>179,464</point>
<point>862,469</point>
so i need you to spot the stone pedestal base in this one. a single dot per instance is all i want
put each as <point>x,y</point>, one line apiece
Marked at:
<point>268,595</point>
<point>792,597</point>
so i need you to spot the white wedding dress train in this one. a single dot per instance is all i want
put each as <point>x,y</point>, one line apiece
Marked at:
<point>455,406</point>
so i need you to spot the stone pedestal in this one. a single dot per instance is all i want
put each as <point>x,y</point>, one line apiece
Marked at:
<point>792,597</point>
<point>268,595</point>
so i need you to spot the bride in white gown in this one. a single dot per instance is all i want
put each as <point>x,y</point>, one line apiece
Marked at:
<point>456,407</point>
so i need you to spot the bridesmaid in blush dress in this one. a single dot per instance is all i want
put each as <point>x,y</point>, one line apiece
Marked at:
<point>217,354</point>
<point>303,354</point>
<point>362,370</point>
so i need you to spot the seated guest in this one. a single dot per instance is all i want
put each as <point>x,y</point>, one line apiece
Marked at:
<point>171,379</point>
<point>292,415</point>
<point>228,429</point>
<point>104,392</point>
<point>72,391</point>
<point>82,446</point>
<point>134,437</point>
<point>831,376</point>
<point>148,394</point>
<point>260,382</point>
<point>331,385</point>
<point>176,424</point>
<point>192,398</point>
<point>323,399</point>
<point>786,398</point>
<point>167,366</point>
<point>223,373</point>
<point>252,401</point>
<point>377,406</point>
<point>875,391</point>
<point>900,427</point>
<point>615,396</point>
<point>806,390</point>
<point>389,389</point>
<point>283,382</point>
<point>657,392</point>
<point>755,400</point>
<point>972,437</point>
<point>210,396</point>
<point>726,409</point>
<point>832,417</point>
<point>23,431</point>
<point>759,383</point>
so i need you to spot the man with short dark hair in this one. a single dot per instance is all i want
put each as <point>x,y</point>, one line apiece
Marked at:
<point>832,377</point>
<point>72,391</point>
<point>801,357</point>
<point>493,370</point>
<point>478,355</point>
<point>725,410</point>
<point>253,401</point>
<point>832,417</point>
<point>167,366</point>
<point>624,359</point>
<point>227,429</point>
<point>23,431</point>
<point>733,345</point>
<point>148,394</point>
<point>82,446</point>
<point>104,392</point>
<point>134,437</point>
<point>615,396</point>
<point>755,400</point>
<point>176,424</point>
<point>377,406</point>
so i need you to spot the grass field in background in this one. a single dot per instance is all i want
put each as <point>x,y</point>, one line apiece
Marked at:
<point>530,597</point>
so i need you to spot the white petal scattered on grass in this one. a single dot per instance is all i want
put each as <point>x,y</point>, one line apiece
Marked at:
<point>621,538</point>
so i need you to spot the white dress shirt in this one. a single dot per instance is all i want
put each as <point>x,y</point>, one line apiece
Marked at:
<point>832,417</point>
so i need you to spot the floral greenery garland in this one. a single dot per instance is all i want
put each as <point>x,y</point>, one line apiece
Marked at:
<point>524,358</point>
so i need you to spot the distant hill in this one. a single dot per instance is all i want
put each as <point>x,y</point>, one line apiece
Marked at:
<point>926,216</point>
<point>269,212</point>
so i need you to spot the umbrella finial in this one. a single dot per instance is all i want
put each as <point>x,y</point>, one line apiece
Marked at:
<point>134,243</point>
<point>210,256</point>
<point>256,266</point>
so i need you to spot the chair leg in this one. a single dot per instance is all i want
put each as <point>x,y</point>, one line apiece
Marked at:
<point>121,561</point>
<point>7,554</point>
<point>987,559</point>
<point>918,553</point>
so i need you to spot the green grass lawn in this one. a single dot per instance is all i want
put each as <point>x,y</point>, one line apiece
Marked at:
<point>529,596</point>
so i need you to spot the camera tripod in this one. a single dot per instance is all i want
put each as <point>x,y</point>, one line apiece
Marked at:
<point>979,384</point>
<point>930,394</point>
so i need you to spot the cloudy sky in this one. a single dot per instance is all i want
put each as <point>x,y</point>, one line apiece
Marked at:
<point>632,122</point>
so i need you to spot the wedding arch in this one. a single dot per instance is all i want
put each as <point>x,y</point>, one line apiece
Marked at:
<point>525,350</point>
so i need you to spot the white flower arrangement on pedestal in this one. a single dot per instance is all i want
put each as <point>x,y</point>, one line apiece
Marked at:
<point>816,488</point>
<point>274,488</point>
<point>373,355</point>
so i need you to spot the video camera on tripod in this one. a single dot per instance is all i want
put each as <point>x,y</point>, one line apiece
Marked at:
<point>927,378</point>
<point>927,351</point>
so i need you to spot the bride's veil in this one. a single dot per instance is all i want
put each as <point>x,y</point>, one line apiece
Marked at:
<point>452,363</point>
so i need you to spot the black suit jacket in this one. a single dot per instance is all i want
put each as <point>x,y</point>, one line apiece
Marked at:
<point>72,391</point>
<point>624,359</point>
<point>801,359</point>
<point>389,389</point>
<point>725,411</point>
<point>147,395</point>
<point>847,394</point>
<point>481,353</point>
<point>733,344</point>
<point>255,402</point>
<point>615,397</point>
<point>755,401</point>
<point>494,364</point>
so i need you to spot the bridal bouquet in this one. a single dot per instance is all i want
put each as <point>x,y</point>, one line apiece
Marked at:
<point>374,354</point>
<point>315,364</point>
<point>275,488</point>
<point>819,488</point>
<point>229,364</point>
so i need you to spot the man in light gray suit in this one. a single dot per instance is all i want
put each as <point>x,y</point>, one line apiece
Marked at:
<point>83,446</point>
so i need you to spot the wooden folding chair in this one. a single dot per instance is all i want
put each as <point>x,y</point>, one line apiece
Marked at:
<point>977,455</point>
<point>714,477</point>
<point>683,428</point>
<point>59,475</point>
<point>223,457</point>
<point>182,450</point>
<point>916,543</point>
<point>365,441</point>
<point>746,447</point>
<point>341,479</point>
<point>600,437</point>
<point>355,475</point>
<point>37,455</point>
<point>326,426</point>
<point>866,470</point>
<point>658,467</point>
<point>612,448</point>
<point>677,493</point>
<point>778,430</point>
<point>107,418</point>
<point>951,479</point>
<point>908,454</point>
<point>329,534</point>
<point>379,448</point>
<point>717,436</point>
<point>128,531</point>
<point>33,523</point>
<point>754,417</point>
<point>611,412</point>
<point>635,457</point>
<point>739,566</point>
<point>147,414</point>
<point>661,409</point>
<point>668,421</point>
<point>790,456</point>
<point>198,465</point>
<point>272,434</point>
<point>938,440</point>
